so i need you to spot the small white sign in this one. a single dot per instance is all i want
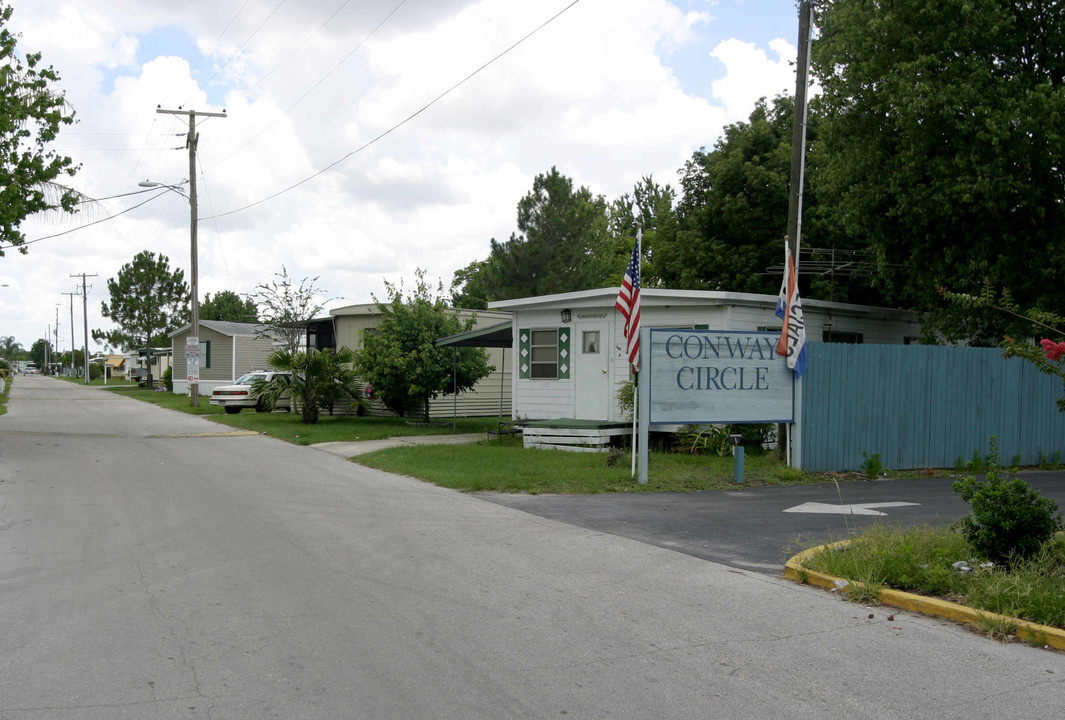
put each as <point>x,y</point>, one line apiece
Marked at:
<point>192,358</point>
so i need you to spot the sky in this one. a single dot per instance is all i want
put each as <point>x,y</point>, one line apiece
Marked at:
<point>363,140</point>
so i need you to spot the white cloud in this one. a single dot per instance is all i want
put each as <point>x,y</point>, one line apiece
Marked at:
<point>751,74</point>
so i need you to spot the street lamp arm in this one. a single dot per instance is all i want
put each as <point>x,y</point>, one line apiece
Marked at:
<point>176,188</point>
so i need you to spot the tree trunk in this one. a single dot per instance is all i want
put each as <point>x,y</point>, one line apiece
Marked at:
<point>148,360</point>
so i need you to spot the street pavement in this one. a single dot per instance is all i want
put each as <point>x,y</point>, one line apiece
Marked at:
<point>760,528</point>
<point>153,565</point>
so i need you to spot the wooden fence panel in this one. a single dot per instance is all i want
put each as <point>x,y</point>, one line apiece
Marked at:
<point>925,406</point>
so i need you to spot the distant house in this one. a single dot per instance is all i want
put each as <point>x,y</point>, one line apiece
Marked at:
<point>227,351</point>
<point>568,357</point>
<point>490,396</point>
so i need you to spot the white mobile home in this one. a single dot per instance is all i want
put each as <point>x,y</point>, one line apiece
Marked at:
<point>569,359</point>
<point>227,351</point>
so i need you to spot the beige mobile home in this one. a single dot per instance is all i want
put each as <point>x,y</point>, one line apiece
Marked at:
<point>227,351</point>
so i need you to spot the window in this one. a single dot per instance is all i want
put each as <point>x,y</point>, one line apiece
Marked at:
<point>205,354</point>
<point>590,342</point>
<point>543,347</point>
<point>835,336</point>
<point>544,354</point>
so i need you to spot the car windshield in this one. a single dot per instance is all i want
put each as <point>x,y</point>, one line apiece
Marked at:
<point>246,379</point>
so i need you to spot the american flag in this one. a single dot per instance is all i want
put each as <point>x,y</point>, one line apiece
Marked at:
<point>628,303</point>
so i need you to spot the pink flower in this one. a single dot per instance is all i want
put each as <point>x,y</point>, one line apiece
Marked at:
<point>1053,350</point>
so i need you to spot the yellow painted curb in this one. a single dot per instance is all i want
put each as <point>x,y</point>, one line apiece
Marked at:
<point>796,571</point>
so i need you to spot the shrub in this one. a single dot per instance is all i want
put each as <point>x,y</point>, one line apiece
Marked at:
<point>1009,521</point>
<point>168,379</point>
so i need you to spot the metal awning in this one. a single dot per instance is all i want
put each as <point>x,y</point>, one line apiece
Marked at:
<point>114,361</point>
<point>493,336</point>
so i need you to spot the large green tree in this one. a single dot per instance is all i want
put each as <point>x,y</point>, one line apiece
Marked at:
<point>227,305</point>
<point>148,300</point>
<point>562,230</point>
<point>943,138</point>
<point>400,360</point>
<point>31,113</point>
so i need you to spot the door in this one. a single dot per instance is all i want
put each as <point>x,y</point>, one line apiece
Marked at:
<point>591,371</point>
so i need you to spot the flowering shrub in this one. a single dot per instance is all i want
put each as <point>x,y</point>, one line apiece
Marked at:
<point>1052,350</point>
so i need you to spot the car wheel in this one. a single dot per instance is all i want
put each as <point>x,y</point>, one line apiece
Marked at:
<point>230,410</point>
<point>260,406</point>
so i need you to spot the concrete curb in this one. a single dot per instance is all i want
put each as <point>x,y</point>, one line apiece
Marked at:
<point>796,571</point>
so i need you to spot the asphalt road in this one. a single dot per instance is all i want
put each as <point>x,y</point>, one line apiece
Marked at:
<point>760,528</point>
<point>154,566</point>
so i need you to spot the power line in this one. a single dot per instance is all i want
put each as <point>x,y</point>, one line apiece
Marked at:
<point>403,122</point>
<point>314,87</point>
<point>87,225</point>
<point>242,45</point>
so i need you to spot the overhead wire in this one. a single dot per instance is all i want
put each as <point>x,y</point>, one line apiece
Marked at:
<point>86,225</point>
<point>314,87</point>
<point>295,50</point>
<point>242,45</point>
<point>403,122</point>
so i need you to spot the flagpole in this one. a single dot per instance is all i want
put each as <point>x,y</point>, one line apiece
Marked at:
<point>635,412</point>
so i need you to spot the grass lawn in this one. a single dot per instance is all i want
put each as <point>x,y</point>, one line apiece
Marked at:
<point>503,465</point>
<point>920,560</point>
<point>288,426</point>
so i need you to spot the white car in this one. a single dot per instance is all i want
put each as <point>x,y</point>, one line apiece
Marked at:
<point>234,398</point>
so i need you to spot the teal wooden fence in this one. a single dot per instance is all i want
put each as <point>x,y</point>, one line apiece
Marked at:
<point>925,406</point>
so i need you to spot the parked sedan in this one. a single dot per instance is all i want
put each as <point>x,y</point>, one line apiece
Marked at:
<point>234,398</point>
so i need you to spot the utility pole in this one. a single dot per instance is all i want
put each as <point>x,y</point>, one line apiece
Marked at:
<point>194,338</point>
<point>57,338</point>
<point>71,296</point>
<point>47,342</point>
<point>798,133</point>
<point>85,313</point>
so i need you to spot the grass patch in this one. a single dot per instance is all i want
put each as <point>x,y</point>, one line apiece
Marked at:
<point>921,560</point>
<point>330,428</point>
<point>98,382</point>
<point>347,428</point>
<point>503,465</point>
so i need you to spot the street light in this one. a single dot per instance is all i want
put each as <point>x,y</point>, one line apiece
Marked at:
<point>194,385</point>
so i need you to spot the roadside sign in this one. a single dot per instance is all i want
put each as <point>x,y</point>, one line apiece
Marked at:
<point>192,358</point>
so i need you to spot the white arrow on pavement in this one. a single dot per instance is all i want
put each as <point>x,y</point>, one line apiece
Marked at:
<point>857,509</point>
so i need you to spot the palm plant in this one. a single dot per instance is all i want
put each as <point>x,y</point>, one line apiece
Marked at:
<point>317,379</point>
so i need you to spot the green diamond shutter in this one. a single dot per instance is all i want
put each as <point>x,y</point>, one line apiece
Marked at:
<point>563,353</point>
<point>524,352</point>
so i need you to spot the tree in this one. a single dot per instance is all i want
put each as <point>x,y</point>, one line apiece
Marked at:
<point>730,223</point>
<point>943,144</point>
<point>654,205</point>
<point>400,359</point>
<point>40,350</point>
<point>147,301</point>
<point>319,378</point>
<point>10,348</point>
<point>286,309</point>
<point>227,305</point>
<point>562,231</point>
<point>31,113</point>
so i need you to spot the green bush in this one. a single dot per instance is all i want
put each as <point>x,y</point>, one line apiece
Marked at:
<point>1009,521</point>
<point>168,379</point>
<point>95,371</point>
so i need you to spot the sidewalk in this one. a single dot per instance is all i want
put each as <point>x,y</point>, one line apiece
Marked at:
<point>351,449</point>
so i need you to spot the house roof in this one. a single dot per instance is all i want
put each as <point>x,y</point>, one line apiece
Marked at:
<point>232,329</point>
<point>655,297</point>
<point>500,335</point>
